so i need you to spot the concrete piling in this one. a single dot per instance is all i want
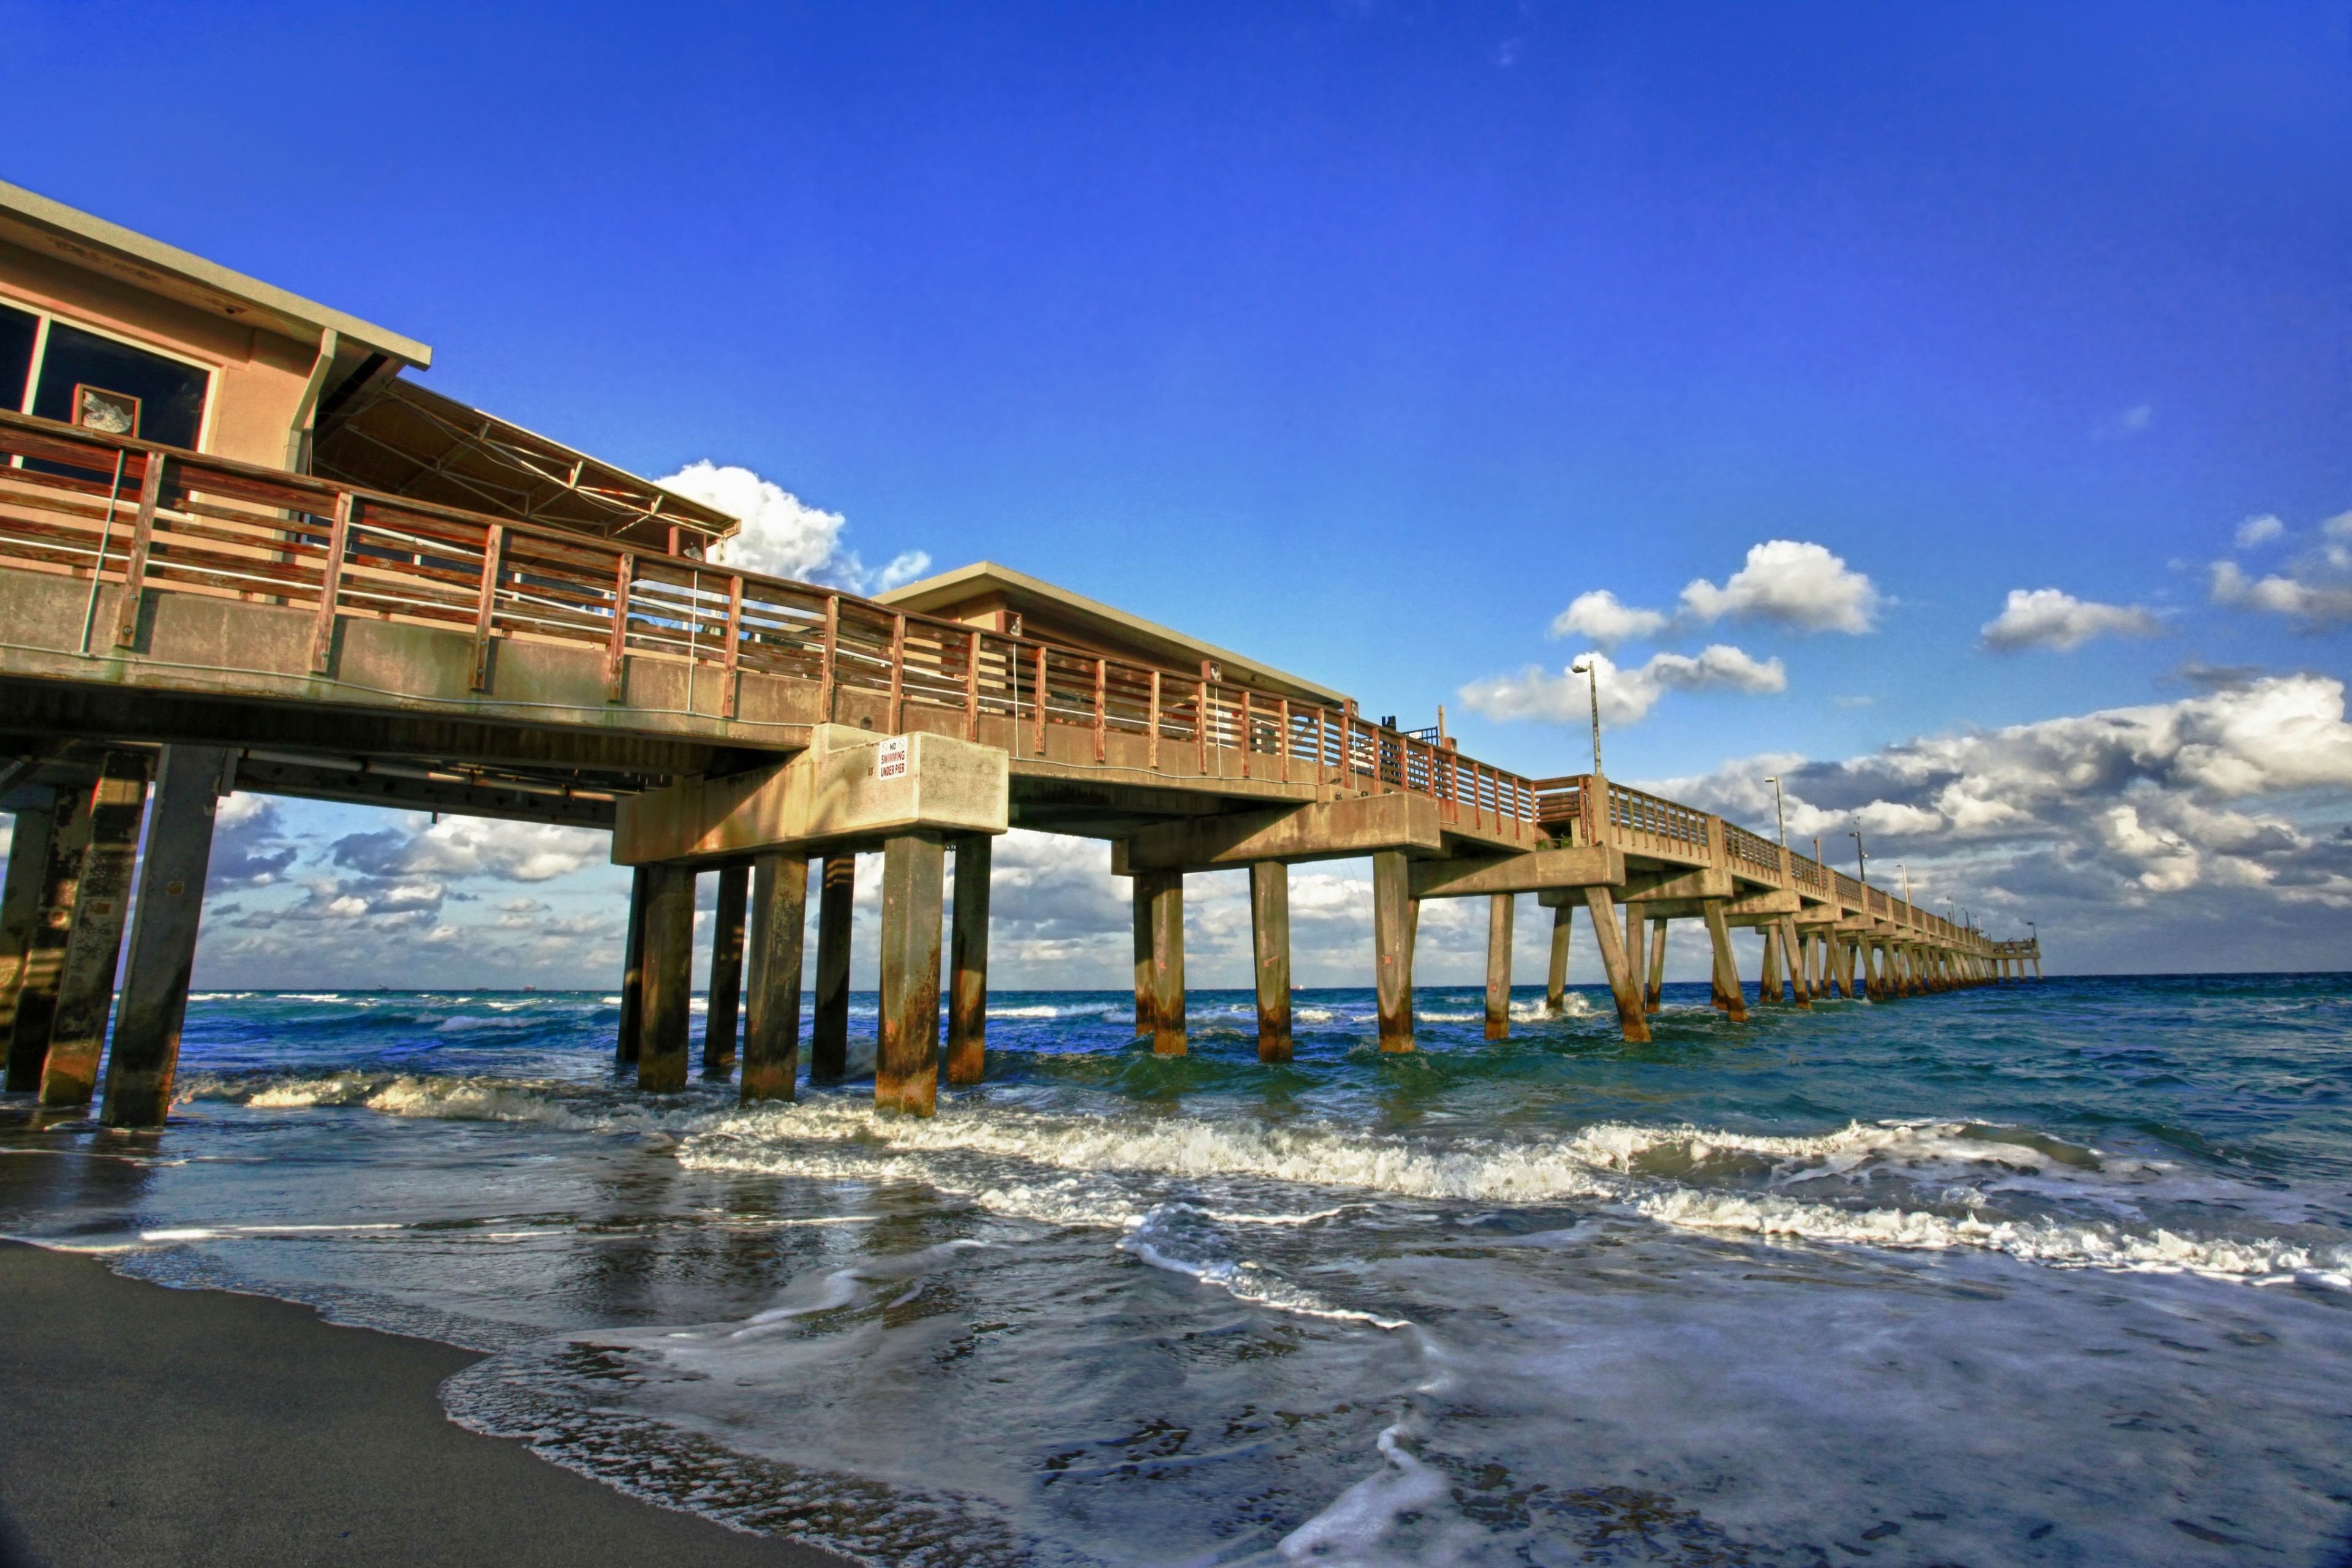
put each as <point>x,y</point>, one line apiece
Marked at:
<point>726,973</point>
<point>1654,996</point>
<point>1395,915</point>
<point>145,1053</point>
<point>1727,974</point>
<point>66,837</point>
<point>968,961</point>
<point>1166,897</point>
<point>1270,941</point>
<point>1556,973</point>
<point>1141,885</point>
<point>1792,948</point>
<point>662,1047</point>
<point>829,1024</point>
<point>94,946</point>
<point>1502,915</point>
<point>907,1067</point>
<point>626,1042</point>
<point>1636,936</point>
<point>1624,983</point>
<point>772,1031</point>
<point>21,903</point>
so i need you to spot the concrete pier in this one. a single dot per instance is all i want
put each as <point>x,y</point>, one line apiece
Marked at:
<point>1270,945</point>
<point>1655,992</point>
<point>726,973</point>
<point>21,904</point>
<point>1393,921</point>
<point>914,885</point>
<point>94,946</point>
<point>1556,972</point>
<point>1502,914</point>
<point>626,1042</point>
<point>668,1006</point>
<point>772,1033</point>
<point>1637,923</point>
<point>1792,950</point>
<point>1163,893</point>
<point>67,835</point>
<point>1624,984</point>
<point>1140,895</point>
<point>164,927</point>
<point>968,961</point>
<point>829,1024</point>
<point>1728,995</point>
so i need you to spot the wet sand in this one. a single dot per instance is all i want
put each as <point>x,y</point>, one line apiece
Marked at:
<point>153,1426</point>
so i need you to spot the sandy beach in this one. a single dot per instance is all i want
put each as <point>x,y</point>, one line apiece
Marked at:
<point>153,1425</point>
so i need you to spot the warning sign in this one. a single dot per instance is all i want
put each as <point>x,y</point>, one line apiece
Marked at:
<point>891,761</point>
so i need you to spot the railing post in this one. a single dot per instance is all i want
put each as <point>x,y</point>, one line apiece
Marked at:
<point>331,585</point>
<point>1040,699</point>
<point>134,569</point>
<point>972,692</point>
<point>1242,723</point>
<point>1152,751</point>
<point>1283,711</point>
<point>827,694</point>
<point>898,673</point>
<point>1201,721</point>
<point>734,642</point>
<point>616,652</point>
<point>1102,692</point>
<point>486,607</point>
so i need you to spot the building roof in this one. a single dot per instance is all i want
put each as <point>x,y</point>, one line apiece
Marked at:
<point>397,437</point>
<point>1033,598</point>
<point>41,225</point>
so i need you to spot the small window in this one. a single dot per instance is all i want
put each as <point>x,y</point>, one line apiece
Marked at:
<point>18,332</point>
<point>115,389</point>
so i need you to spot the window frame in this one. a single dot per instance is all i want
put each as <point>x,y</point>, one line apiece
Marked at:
<point>45,315</point>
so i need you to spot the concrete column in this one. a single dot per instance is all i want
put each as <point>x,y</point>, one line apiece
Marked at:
<point>1167,912</point>
<point>94,947</point>
<point>975,854</point>
<point>1502,915</point>
<point>146,1049</point>
<point>1636,933</point>
<point>1727,974</point>
<point>1624,984</point>
<point>1793,948</point>
<point>1654,996</point>
<point>1767,968</point>
<point>1394,917</point>
<point>829,1027</point>
<point>1270,939</point>
<point>669,1008</point>
<point>20,902</point>
<point>1556,973</point>
<point>1142,885</point>
<point>726,973</point>
<point>45,955</point>
<point>633,971</point>
<point>906,1070</point>
<point>772,1031</point>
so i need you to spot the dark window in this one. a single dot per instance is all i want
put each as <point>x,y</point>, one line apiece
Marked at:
<point>17,330</point>
<point>162,398</point>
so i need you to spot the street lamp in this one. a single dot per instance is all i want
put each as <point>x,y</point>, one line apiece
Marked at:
<point>1861,861</point>
<point>1899,866</point>
<point>1781,812</point>
<point>1586,668</point>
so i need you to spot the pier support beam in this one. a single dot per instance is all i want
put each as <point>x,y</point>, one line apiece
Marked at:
<point>906,1069</point>
<point>1556,972</point>
<point>45,955</point>
<point>146,1049</point>
<point>662,1048</point>
<point>772,1032</point>
<point>829,1023</point>
<point>1793,949</point>
<point>1768,967</point>
<point>975,856</point>
<point>1653,997</point>
<point>1637,961</point>
<point>719,1025</point>
<point>1727,974</point>
<point>1502,915</point>
<point>1142,885</point>
<point>1624,984</point>
<point>20,902</point>
<point>94,946</point>
<point>1164,892</point>
<point>626,1042</point>
<point>1270,940</point>
<point>1394,917</point>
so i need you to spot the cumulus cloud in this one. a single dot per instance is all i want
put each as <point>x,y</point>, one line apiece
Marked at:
<point>1599,616</point>
<point>2259,531</point>
<point>2052,618</point>
<point>250,848</point>
<point>1796,584</point>
<point>782,535</point>
<point>1627,693</point>
<point>474,846</point>
<point>2306,594</point>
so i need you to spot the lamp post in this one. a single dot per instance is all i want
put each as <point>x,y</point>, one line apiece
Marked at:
<point>1899,866</point>
<point>1781,811</point>
<point>1861,861</point>
<point>1587,668</point>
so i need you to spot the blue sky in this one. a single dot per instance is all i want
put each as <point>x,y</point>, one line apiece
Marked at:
<point>1368,337</point>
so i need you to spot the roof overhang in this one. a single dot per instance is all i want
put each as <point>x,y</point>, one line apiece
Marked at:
<point>109,249</point>
<point>1113,629</point>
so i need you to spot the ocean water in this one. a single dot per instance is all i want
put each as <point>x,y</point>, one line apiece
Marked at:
<point>2035,1274</point>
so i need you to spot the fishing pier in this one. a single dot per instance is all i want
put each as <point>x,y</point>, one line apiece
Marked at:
<point>327,582</point>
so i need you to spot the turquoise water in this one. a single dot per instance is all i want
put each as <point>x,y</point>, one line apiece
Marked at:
<point>2050,1273</point>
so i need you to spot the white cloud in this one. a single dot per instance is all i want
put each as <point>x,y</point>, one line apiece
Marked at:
<point>1599,616</point>
<point>782,535</point>
<point>475,847</point>
<point>2052,618</point>
<point>2129,421</point>
<point>1626,694</point>
<point>1796,584</point>
<point>2259,531</point>
<point>2304,594</point>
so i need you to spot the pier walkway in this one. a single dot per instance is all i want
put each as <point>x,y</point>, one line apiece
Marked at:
<point>204,623</point>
